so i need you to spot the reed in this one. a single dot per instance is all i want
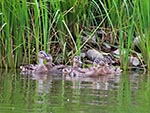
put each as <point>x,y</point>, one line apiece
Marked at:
<point>143,31</point>
<point>58,26</point>
<point>130,24</point>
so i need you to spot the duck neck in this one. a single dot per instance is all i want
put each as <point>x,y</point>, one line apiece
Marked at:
<point>40,61</point>
<point>49,64</point>
<point>95,68</point>
<point>75,65</point>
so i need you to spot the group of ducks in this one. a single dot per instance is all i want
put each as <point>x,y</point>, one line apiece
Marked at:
<point>100,67</point>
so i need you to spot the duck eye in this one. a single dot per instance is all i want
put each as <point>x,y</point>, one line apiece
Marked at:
<point>76,57</point>
<point>42,52</point>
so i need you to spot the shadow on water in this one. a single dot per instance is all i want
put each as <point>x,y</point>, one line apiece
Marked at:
<point>124,93</point>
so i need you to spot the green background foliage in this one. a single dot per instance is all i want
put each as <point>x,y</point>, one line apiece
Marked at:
<point>57,26</point>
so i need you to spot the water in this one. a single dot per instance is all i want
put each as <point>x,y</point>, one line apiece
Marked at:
<point>126,93</point>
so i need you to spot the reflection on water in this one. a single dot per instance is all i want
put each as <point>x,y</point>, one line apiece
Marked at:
<point>124,93</point>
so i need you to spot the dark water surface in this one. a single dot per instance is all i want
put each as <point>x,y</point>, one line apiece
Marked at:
<point>126,93</point>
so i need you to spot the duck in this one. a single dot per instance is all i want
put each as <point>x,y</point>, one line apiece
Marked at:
<point>40,68</point>
<point>49,62</point>
<point>52,68</point>
<point>108,68</point>
<point>75,69</point>
<point>27,69</point>
<point>94,70</point>
<point>99,68</point>
<point>76,62</point>
<point>104,68</point>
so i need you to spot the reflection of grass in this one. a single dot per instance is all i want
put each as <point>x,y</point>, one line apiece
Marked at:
<point>57,27</point>
<point>132,88</point>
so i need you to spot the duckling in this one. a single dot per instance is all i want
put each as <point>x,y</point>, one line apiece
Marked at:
<point>108,69</point>
<point>49,63</point>
<point>75,69</point>
<point>98,68</point>
<point>101,68</point>
<point>76,65</point>
<point>76,62</point>
<point>27,69</point>
<point>39,68</point>
<point>96,64</point>
<point>82,72</point>
<point>104,68</point>
<point>52,68</point>
<point>93,71</point>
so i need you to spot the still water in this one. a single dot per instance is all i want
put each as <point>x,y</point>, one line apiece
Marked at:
<point>126,93</point>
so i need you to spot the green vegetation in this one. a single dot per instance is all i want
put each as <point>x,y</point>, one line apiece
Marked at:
<point>57,27</point>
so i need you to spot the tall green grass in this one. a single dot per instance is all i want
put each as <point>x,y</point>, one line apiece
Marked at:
<point>143,29</point>
<point>130,19</point>
<point>57,27</point>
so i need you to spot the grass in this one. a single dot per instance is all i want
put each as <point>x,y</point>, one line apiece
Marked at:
<point>57,27</point>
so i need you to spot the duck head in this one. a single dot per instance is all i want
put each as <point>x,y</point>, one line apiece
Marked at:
<point>104,67</point>
<point>41,56</point>
<point>49,58</point>
<point>96,64</point>
<point>109,60</point>
<point>76,62</point>
<point>103,63</point>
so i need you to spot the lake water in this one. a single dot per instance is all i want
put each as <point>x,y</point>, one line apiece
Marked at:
<point>126,93</point>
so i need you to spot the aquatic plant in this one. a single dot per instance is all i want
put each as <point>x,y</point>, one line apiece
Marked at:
<point>58,27</point>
